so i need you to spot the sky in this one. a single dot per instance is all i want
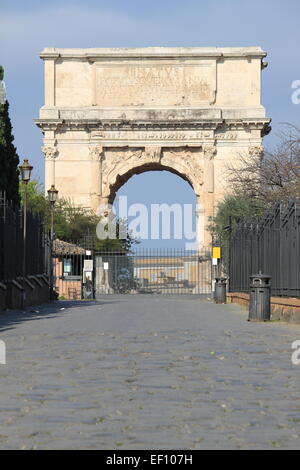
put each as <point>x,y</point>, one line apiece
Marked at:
<point>26,27</point>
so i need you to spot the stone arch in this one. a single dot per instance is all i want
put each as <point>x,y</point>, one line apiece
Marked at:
<point>121,179</point>
<point>131,110</point>
<point>120,166</point>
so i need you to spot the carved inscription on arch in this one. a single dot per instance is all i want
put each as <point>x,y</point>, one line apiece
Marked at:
<point>155,85</point>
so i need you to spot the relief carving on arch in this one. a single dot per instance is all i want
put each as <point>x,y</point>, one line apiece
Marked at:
<point>117,161</point>
<point>186,162</point>
<point>153,154</point>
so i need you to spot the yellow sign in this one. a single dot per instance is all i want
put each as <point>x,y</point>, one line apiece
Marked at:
<point>216,252</point>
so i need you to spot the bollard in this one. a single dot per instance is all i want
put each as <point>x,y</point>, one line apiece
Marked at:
<point>220,290</point>
<point>260,298</point>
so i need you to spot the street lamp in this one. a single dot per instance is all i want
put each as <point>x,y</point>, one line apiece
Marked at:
<point>25,171</point>
<point>52,197</point>
<point>52,194</point>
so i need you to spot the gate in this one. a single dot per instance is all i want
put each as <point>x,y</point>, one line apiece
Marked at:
<point>153,272</point>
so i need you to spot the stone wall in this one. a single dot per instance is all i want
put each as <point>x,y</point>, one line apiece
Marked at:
<point>282,308</point>
<point>37,292</point>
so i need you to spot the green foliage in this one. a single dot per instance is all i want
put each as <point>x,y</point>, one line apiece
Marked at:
<point>71,223</point>
<point>233,209</point>
<point>9,160</point>
<point>36,199</point>
<point>238,207</point>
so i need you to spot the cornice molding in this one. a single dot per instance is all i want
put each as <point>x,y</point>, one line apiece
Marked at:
<point>156,53</point>
<point>218,125</point>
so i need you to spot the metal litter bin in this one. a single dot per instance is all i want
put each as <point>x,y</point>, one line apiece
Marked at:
<point>220,290</point>
<point>260,298</point>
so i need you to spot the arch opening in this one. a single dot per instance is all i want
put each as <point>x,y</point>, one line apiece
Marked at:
<point>161,205</point>
<point>122,179</point>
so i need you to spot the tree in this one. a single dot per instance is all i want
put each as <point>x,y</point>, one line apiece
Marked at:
<point>271,176</point>
<point>72,223</point>
<point>9,160</point>
<point>260,180</point>
<point>233,209</point>
<point>37,202</point>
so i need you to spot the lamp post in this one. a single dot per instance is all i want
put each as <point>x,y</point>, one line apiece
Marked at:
<point>25,171</point>
<point>52,197</point>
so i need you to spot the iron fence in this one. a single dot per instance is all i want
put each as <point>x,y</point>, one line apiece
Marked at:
<point>11,243</point>
<point>150,271</point>
<point>80,272</point>
<point>271,245</point>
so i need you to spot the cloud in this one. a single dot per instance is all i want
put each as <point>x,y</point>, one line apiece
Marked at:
<point>271,24</point>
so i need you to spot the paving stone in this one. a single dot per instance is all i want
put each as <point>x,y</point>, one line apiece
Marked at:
<point>139,372</point>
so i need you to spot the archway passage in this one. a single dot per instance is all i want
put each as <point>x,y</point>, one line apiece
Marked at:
<point>160,208</point>
<point>121,180</point>
<point>118,165</point>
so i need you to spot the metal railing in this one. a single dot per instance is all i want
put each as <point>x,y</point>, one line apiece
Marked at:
<point>151,271</point>
<point>11,243</point>
<point>271,245</point>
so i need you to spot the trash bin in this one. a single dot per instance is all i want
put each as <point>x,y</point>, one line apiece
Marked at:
<point>260,298</point>
<point>220,290</point>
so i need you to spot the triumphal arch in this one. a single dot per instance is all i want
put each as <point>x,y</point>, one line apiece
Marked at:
<point>113,113</point>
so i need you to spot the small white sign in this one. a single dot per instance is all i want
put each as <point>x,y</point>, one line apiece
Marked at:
<point>215,261</point>
<point>88,253</point>
<point>2,353</point>
<point>88,265</point>
<point>105,266</point>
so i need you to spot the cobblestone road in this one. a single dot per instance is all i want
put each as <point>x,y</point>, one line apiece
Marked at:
<point>147,373</point>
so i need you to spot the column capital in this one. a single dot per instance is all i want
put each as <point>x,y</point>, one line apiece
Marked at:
<point>209,151</point>
<point>256,150</point>
<point>96,152</point>
<point>50,152</point>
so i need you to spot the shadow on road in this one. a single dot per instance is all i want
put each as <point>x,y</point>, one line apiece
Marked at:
<point>10,318</point>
